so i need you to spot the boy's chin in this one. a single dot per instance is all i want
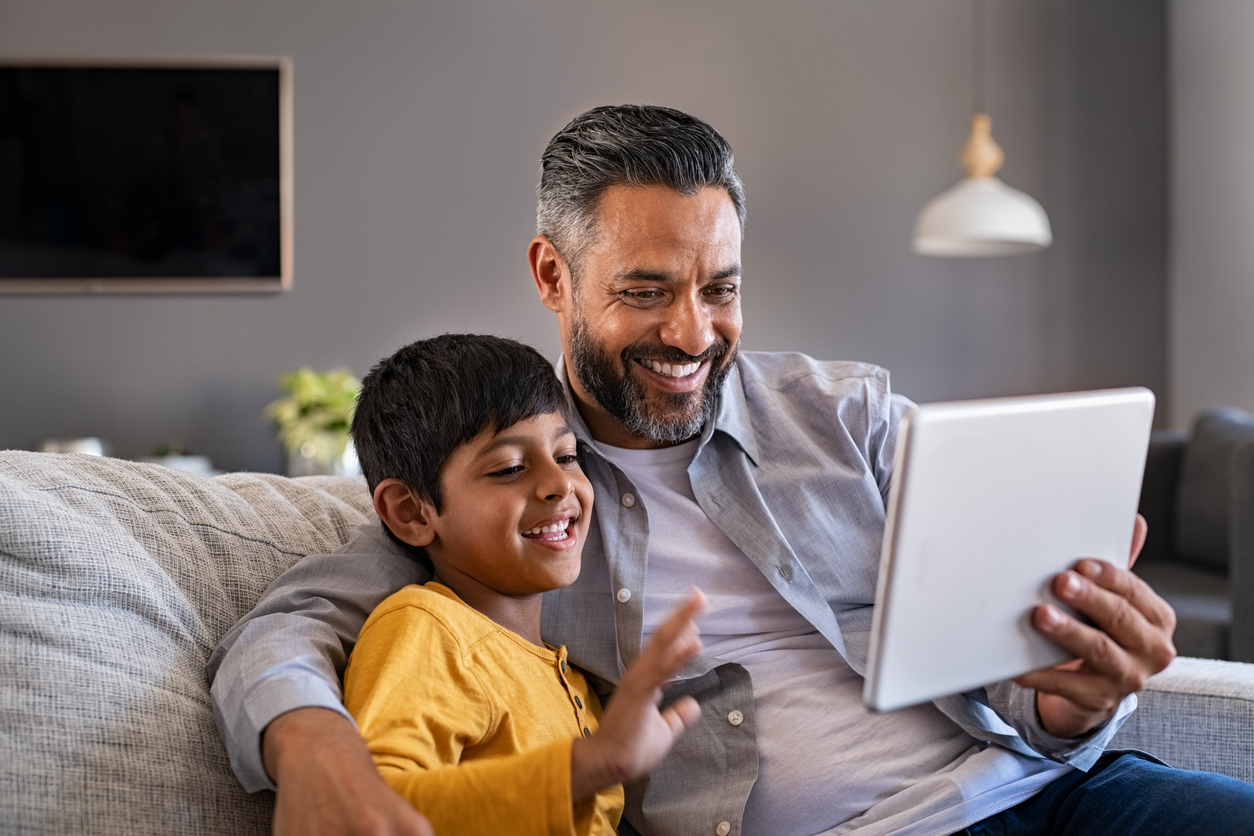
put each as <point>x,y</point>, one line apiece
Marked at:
<point>565,575</point>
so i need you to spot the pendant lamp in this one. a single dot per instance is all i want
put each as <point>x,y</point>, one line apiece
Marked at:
<point>981,216</point>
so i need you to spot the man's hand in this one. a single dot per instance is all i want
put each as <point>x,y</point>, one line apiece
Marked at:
<point>327,782</point>
<point>634,735</point>
<point>1130,642</point>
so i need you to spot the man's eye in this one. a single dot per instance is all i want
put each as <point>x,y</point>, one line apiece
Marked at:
<point>647,295</point>
<point>722,291</point>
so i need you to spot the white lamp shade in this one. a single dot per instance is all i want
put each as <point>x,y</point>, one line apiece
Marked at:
<point>981,216</point>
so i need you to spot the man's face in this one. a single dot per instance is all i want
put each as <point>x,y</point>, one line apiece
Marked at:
<point>654,319</point>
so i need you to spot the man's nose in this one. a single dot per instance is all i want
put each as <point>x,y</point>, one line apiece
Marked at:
<point>688,327</point>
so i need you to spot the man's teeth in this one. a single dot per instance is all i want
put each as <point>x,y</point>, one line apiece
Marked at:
<point>677,370</point>
<point>556,528</point>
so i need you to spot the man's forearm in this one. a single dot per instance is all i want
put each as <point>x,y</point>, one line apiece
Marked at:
<point>328,783</point>
<point>289,651</point>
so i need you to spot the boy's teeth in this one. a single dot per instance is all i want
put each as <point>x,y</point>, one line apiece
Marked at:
<point>549,529</point>
<point>677,370</point>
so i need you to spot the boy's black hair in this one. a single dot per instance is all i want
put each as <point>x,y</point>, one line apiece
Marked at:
<point>434,395</point>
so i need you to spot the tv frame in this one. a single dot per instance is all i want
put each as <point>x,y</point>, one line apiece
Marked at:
<point>197,284</point>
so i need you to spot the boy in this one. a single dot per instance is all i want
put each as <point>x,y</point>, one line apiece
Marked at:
<point>467,713</point>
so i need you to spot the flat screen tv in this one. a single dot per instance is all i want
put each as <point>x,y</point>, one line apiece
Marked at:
<point>148,175</point>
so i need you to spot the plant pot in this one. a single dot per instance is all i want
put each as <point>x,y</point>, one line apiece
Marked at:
<point>326,454</point>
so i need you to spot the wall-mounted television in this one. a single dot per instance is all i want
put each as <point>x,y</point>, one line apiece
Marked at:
<point>145,175</point>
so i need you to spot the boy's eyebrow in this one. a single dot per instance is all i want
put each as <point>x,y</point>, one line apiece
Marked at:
<point>507,440</point>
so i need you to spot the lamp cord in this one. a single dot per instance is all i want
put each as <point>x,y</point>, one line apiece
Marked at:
<point>977,56</point>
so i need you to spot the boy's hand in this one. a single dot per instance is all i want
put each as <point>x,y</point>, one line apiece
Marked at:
<point>634,735</point>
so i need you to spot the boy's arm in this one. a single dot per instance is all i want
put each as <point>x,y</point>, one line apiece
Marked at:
<point>289,651</point>
<point>418,706</point>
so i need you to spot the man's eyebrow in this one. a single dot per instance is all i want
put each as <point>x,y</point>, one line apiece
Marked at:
<point>639,274</point>
<point>520,440</point>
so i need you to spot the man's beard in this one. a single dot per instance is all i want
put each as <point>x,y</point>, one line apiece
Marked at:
<point>671,417</point>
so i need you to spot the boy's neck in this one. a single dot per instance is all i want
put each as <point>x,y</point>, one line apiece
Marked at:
<point>518,615</point>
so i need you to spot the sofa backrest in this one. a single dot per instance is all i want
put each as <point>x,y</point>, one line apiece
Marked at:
<point>117,580</point>
<point>1203,506</point>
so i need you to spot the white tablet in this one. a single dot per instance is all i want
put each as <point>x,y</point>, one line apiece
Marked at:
<point>990,500</point>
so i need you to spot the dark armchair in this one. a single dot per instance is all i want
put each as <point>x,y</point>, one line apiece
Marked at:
<point>1198,497</point>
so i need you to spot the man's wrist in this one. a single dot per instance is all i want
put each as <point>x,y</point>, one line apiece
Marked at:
<point>1077,727</point>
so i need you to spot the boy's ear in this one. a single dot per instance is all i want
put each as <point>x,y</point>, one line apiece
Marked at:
<point>409,517</point>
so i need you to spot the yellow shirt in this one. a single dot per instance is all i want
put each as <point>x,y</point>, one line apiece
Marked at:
<point>471,722</point>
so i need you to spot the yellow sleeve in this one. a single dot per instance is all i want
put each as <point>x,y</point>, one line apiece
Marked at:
<point>418,707</point>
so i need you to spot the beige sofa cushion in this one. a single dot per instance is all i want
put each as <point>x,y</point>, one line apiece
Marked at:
<point>117,580</point>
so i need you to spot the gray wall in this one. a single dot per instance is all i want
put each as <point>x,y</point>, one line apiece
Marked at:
<point>418,130</point>
<point>1212,225</point>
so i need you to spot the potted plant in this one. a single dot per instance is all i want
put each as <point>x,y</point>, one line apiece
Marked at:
<point>314,420</point>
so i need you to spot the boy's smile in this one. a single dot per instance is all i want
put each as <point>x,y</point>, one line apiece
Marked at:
<point>515,512</point>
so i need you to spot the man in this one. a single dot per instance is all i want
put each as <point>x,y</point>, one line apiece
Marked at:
<point>760,478</point>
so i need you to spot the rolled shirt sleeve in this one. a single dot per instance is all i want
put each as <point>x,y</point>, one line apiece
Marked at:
<point>290,651</point>
<point>1017,706</point>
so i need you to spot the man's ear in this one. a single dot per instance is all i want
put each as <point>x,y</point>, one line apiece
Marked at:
<point>410,518</point>
<point>551,274</point>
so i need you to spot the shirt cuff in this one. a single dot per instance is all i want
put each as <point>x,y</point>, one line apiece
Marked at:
<point>262,704</point>
<point>1017,706</point>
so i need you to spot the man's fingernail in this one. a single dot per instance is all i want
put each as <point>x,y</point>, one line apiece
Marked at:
<point>1070,584</point>
<point>1089,568</point>
<point>1051,617</point>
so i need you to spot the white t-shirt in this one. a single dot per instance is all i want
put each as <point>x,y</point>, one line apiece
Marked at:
<point>823,758</point>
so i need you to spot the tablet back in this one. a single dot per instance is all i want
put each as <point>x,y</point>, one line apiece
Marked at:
<point>990,500</point>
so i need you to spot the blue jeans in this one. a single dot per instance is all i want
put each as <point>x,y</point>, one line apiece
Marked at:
<point>1126,792</point>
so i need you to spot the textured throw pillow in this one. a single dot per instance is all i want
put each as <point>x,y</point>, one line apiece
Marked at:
<point>117,580</point>
<point>1203,505</point>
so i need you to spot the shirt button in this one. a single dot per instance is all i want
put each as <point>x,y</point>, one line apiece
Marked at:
<point>629,499</point>
<point>563,666</point>
<point>624,595</point>
<point>578,701</point>
<point>723,828</point>
<point>586,733</point>
<point>735,718</point>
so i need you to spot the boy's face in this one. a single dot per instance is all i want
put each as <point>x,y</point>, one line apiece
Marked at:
<point>516,509</point>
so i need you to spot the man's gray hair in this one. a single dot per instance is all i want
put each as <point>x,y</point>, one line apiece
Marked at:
<point>634,145</point>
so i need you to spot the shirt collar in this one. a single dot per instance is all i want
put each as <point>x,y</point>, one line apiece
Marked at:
<point>731,418</point>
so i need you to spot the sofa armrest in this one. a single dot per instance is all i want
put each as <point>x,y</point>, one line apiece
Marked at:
<point>1241,555</point>
<point>1197,714</point>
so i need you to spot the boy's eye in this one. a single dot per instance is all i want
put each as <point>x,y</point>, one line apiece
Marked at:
<point>571,458</point>
<point>509,471</point>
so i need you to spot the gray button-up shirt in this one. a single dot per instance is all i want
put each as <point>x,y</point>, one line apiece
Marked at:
<point>794,469</point>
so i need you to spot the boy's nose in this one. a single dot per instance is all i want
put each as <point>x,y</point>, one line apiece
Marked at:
<point>555,483</point>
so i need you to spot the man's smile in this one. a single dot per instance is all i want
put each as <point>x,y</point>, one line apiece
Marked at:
<point>669,369</point>
<point>675,378</point>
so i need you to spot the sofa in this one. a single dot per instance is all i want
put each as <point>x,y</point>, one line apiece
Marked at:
<point>117,580</point>
<point>1198,497</point>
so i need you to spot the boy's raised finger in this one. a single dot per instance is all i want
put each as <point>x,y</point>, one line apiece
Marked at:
<point>673,644</point>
